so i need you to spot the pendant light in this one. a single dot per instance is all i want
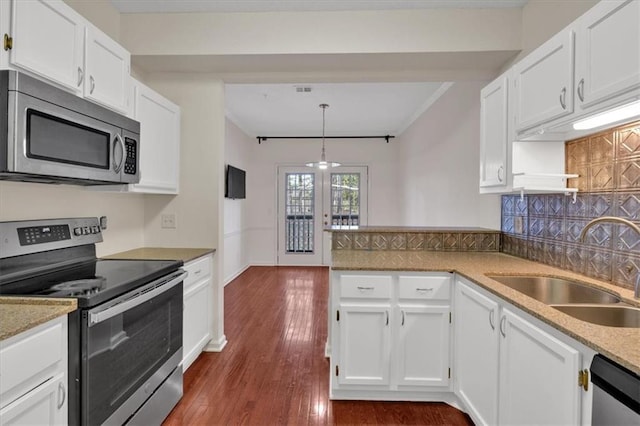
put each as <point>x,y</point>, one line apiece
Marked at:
<point>323,164</point>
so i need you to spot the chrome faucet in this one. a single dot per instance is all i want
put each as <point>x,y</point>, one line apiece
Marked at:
<point>615,219</point>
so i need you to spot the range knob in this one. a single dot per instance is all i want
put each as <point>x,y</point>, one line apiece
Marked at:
<point>77,231</point>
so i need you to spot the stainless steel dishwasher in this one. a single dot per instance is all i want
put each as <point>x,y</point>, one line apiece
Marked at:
<point>616,394</point>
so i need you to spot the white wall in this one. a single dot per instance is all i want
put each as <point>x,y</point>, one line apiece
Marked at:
<point>439,154</point>
<point>237,147</point>
<point>125,212</point>
<point>198,206</point>
<point>379,156</point>
<point>101,13</point>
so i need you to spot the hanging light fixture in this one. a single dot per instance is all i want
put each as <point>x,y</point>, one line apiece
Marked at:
<point>323,164</point>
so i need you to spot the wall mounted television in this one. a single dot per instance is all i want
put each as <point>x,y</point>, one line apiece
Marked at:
<point>235,183</point>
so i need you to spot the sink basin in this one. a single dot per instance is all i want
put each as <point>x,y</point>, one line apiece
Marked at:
<point>555,291</point>
<point>611,316</point>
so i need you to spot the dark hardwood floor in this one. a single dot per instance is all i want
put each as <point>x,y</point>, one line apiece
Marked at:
<point>273,370</point>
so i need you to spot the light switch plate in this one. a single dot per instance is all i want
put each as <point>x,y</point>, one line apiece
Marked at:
<point>168,221</point>
<point>518,226</point>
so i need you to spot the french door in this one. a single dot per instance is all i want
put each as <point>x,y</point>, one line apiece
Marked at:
<point>310,200</point>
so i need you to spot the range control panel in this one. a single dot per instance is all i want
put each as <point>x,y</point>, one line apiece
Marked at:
<point>43,234</point>
<point>32,236</point>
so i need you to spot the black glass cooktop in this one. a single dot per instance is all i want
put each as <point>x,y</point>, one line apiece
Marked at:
<point>92,282</point>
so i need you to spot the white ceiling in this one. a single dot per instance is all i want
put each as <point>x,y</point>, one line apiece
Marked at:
<point>355,109</point>
<point>176,6</point>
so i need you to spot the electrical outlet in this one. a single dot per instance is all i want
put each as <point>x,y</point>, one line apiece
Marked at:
<point>168,221</point>
<point>518,225</point>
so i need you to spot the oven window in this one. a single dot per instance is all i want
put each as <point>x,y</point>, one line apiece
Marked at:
<point>122,352</point>
<point>55,139</point>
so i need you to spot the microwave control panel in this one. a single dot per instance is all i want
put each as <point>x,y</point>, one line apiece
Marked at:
<point>131,155</point>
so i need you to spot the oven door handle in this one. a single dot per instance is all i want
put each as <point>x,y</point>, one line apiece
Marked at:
<point>157,287</point>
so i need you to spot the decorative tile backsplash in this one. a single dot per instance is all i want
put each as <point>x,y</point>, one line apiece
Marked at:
<point>609,167</point>
<point>445,240</point>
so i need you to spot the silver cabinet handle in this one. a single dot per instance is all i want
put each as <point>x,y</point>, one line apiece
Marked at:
<point>118,166</point>
<point>364,288</point>
<point>563,98</point>
<point>424,289</point>
<point>502,324</point>
<point>387,322</point>
<point>493,327</point>
<point>61,391</point>
<point>80,76</point>
<point>402,317</point>
<point>500,173</point>
<point>92,82</point>
<point>581,90</point>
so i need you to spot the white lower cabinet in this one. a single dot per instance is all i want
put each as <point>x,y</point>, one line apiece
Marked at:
<point>390,335</point>
<point>365,345</point>
<point>44,405</point>
<point>511,370</point>
<point>197,309</point>
<point>538,376</point>
<point>33,376</point>
<point>476,353</point>
<point>423,345</point>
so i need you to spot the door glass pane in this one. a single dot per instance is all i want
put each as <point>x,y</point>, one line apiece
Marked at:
<point>299,211</point>
<point>345,199</point>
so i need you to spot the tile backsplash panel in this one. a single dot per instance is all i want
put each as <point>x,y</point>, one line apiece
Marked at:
<point>445,240</point>
<point>609,167</point>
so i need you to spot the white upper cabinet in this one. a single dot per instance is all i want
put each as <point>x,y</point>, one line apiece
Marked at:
<point>47,40</point>
<point>607,52</point>
<point>160,141</point>
<point>543,83</point>
<point>494,119</point>
<point>107,69</point>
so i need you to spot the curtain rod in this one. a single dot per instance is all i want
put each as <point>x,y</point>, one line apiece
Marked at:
<point>264,138</point>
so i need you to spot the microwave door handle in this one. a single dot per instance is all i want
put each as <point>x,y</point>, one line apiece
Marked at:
<point>118,166</point>
<point>100,316</point>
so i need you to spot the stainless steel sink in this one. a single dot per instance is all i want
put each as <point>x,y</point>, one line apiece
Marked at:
<point>555,291</point>
<point>611,316</point>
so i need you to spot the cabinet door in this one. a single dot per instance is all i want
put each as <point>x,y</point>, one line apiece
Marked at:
<point>423,345</point>
<point>364,345</point>
<point>160,141</point>
<point>45,405</point>
<point>107,66</point>
<point>607,51</point>
<point>476,348</point>
<point>543,82</point>
<point>538,376</point>
<point>195,321</point>
<point>493,133</point>
<point>48,41</point>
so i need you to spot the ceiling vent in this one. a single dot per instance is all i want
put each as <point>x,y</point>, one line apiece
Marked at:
<point>303,89</point>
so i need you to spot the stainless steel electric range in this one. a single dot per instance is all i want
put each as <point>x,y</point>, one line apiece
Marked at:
<point>125,339</point>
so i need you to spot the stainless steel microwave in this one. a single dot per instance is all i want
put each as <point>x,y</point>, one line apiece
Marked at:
<point>53,136</point>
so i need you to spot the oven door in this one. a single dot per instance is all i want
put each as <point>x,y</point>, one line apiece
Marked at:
<point>54,141</point>
<point>129,346</point>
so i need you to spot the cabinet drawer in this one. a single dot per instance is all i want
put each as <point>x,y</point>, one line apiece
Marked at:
<point>430,287</point>
<point>198,270</point>
<point>366,286</point>
<point>31,358</point>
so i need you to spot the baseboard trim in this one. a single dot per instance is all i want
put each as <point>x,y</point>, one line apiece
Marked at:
<point>216,346</point>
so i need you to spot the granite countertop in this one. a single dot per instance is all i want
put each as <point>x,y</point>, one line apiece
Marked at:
<point>162,253</point>
<point>620,344</point>
<point>18,314</point>
<point>409,229</point>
